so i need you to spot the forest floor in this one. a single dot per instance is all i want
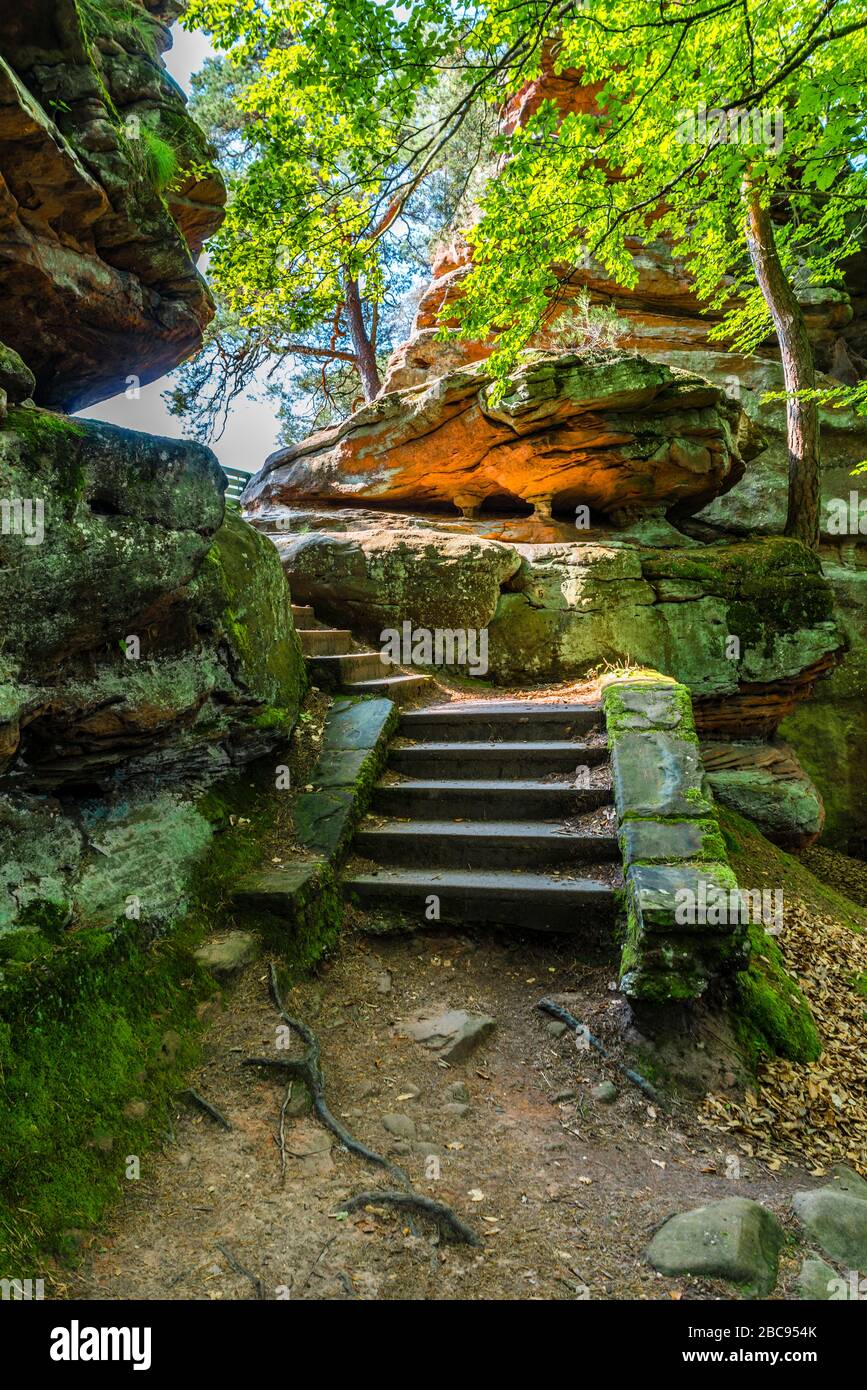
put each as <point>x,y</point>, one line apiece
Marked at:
<point>564,1191</point>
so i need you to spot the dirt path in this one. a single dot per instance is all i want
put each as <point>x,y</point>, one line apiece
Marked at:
<point>565,1194</point>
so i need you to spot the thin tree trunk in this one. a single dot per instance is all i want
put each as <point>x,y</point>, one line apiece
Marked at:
<point>796,353</point>
<point>365,354</point>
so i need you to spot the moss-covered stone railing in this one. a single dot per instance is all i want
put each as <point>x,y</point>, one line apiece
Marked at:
<point>673,852</point>
<point>304,896</point>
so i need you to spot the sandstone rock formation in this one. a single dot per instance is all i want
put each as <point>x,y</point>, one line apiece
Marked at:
<point>622,437</point>
<point>97,269</point>
<point>147,645</point>
<point>146,638</point>
<point>555,610</point>
<point>664,321</point>
<point>408,449</point>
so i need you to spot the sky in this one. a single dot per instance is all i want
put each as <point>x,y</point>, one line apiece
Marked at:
<point>251,433</point>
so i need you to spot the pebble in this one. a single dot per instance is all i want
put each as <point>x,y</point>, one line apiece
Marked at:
<point>383,983</point>
<point>456,1107</point>
<point>458,1091</point>
<point>606,1092</point>
<point>400,1125</point>
<point>555,1029</point>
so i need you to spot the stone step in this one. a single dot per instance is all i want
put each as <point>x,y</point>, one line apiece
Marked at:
<point>586,907</point>
<point>331,671</point>
<point>495,760</point>
<point>482,844</point>
<point>479,799</point>
<point>396,688</point>
<point>325,641</point>
<point>303,616</point>
<point>511,720</point>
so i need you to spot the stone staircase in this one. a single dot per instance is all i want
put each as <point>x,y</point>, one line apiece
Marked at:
<point>334,664</point>
<point>501,811</point>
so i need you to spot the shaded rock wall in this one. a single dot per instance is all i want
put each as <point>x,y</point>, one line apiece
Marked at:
<point>556,610</point>
<point>146,639</point>
<point>145,630</point>
<point>148,648</point>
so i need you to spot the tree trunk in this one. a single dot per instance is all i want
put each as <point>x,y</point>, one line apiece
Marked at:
<point>802,417</point>
<point>365,354</point>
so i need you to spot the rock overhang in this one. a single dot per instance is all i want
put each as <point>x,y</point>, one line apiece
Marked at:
<point>621,436</point>
<point>97,268</point>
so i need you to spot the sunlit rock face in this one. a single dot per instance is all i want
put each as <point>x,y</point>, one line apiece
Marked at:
<point>622,437</point>
<point>98,238</point>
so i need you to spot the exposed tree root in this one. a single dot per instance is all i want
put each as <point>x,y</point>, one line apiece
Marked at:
<point>205,1106</point>
<point>450,1225</point>
<point>308,1070</point>
<point>549,1007</point>
<point>236,1265</point>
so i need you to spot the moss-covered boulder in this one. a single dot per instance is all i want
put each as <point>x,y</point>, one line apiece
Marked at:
<point>148,646</point>
<point>746,625</point>
<point>142,630</point>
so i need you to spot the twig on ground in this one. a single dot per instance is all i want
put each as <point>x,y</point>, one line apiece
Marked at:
<point>236,1265</point>
<point>329,1241</point>
<point>281,1132</point>
<point>206,1106</point>
<point>449,1224</point>
<point>549,1007</point>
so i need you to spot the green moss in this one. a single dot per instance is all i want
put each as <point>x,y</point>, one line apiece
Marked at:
<point>94,1020</point>
<point>45,916</point>
<point>87,1029</point>
<point>243,587</point>
<point>758,863</point>
<point>619,719</point>
<point>273,718</point>
<point>317,916</point>
<point>771,1016</point>
<point>41,427</point>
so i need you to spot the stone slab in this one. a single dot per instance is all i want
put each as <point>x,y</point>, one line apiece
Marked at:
<point>658,774</point>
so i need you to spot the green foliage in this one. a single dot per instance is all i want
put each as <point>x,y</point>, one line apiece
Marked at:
<point>123,20</point>
<point>343,88</point>
<point>594,329</point>
<point>317,138</point>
